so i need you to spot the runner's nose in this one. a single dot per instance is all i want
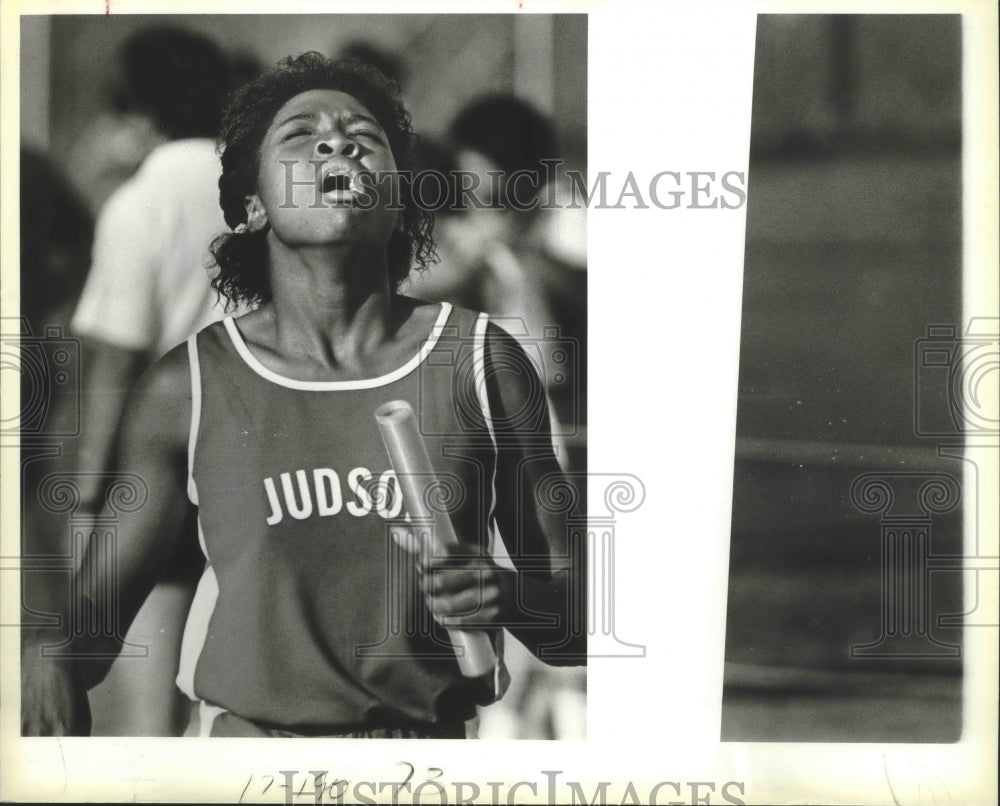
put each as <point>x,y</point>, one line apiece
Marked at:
<point>337,145</point>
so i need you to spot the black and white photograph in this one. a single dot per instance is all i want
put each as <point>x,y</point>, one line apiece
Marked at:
<point>293,471</point>
<point>852,277</point>
<point>613,387</point>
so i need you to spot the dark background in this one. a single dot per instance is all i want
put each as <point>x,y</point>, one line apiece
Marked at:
<point>68,63</point>
<point>853,248</point>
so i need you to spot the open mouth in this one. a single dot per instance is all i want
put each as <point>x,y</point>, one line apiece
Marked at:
<point>337,183</point>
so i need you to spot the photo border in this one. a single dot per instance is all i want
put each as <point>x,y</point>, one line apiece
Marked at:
<point>652,720</point>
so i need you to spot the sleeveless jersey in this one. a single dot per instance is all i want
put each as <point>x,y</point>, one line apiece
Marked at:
<point>309,613</point>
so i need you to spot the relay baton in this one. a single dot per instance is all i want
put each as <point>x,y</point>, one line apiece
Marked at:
<point>415,474</point>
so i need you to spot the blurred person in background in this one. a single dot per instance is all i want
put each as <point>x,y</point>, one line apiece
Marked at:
<point>56,235</point>
<point>148,289</point>
<point>509,247</point>
<point>392,65</point>
<point>527,267</point>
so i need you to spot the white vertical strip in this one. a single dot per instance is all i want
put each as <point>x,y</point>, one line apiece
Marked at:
<point>653,272</point>
<point>479,379</point>
<point>192,344</point>
<point>196,626</point>
<point>980,323</point>
<point>501,678</point>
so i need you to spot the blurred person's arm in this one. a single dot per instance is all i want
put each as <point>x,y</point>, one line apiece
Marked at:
<point>153,451</point>
<point>109,374</point>
<point>117,322</point>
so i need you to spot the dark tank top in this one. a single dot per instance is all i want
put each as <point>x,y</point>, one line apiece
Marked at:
<point>309,613</point>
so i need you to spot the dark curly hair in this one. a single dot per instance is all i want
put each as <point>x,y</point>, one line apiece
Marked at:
<point>242,258</point>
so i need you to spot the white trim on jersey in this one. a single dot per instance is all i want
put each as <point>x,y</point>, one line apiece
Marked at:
<point>324,386</point>
<point>207,714</point>
<point>192,345</point>
<point>501,677</point>
<point>479,378</point>
<point>196,625</point>
<point>205,596</point>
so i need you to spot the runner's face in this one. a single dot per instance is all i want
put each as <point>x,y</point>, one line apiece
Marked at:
<point>316,182</point>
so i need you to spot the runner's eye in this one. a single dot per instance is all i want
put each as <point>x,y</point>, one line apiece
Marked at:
<point>293,134</point>
<point>369,133</point>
